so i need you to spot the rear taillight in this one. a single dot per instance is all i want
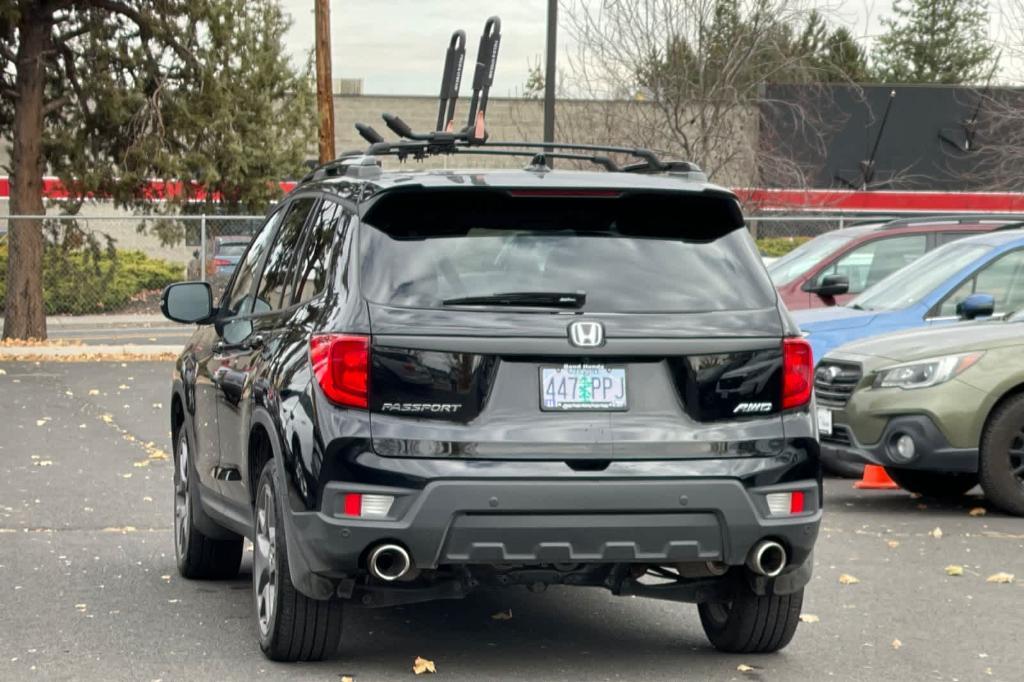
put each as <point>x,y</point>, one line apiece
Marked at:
<point>797,369</point>
<point>341,363</point>
<point>786,504</point>
<point>220,262</point>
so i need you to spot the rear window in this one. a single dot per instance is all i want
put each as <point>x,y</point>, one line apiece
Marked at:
<point>631,253</point>
<point>232,249</point>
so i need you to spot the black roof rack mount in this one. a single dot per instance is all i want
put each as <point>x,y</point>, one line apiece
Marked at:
<point>474,138</point>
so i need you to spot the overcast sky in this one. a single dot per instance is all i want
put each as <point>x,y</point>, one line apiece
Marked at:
<point>397,46</point>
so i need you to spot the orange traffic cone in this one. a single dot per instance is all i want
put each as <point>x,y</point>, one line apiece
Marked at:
<point>875,478</point>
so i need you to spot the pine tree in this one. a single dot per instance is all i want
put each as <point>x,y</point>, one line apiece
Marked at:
<point>936,41</point>
<point>108,94</point>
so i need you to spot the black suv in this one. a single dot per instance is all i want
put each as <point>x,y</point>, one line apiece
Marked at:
<point>422,383</point>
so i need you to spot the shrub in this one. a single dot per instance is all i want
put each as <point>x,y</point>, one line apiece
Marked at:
<point>773,247</point>
<point>79,283</point>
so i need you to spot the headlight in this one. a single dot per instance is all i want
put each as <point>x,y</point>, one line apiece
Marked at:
<point>925,373</point>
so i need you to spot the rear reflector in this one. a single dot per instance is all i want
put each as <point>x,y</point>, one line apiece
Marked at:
<point>797,368</point>
<point>367,506</point>
<point>341,363</point>
<point>785,504</point>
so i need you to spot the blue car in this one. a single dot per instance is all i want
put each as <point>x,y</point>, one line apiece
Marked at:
<point>974,277</point>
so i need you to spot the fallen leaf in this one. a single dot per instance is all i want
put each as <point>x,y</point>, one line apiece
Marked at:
<point>40,422</point>
<point>141,463</point>
<point>846,579</point>
<point>937,533</point>
<point>124,387</point>
<point>3,372</point>
<point>43,463</point>
<point>347,678</point>
<point>954,569</point>
<point>896,644</point>
<point>744,668</point>
<point>123,529</point>
<point>502,615</point>
<point>94,391</point>
<point>893,544</point>
<point>108,418</point>
<point>165,578</point>
<point>978,511</point>
<point>80,607</point>
<point>809,618</point>
<point>158,405</point>
<point>126,475</point>
<point>1000,577</point>
<point>423,665</point>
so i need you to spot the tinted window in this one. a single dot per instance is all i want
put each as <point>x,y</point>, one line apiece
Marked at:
<point>872,262</point>
<point>911,284</point>
<point>237,300</point>
<point>312,265</point>
<point>646,253</point>
<point>278,270</point>
<point>1003,279</point>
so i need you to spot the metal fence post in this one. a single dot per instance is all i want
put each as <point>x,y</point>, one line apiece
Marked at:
<point>202,247</point>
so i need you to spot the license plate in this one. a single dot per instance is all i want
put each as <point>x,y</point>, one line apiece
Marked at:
<point>825,421</point>
<point>582,387</point>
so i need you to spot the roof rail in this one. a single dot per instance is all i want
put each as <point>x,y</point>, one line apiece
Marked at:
<point>953,218</point>
<point>473,138</point>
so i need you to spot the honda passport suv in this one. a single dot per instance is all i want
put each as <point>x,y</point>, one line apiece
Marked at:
<point>422,383</point>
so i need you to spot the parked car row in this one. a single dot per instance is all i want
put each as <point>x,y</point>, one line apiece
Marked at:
<point>922,372</point>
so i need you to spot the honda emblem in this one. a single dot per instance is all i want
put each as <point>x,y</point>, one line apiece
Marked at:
<point>586,334</point>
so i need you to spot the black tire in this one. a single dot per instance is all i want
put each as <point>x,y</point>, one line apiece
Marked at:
<point>1002,457</point>
<point>291,626</point>
<point>937,484</point>
<point>751,624</point>
<point>198,556</point>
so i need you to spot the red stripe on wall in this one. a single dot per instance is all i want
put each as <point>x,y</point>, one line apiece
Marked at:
<point>763,199</point>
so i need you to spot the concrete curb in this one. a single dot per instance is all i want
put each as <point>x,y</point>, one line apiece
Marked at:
<point>83,353</point>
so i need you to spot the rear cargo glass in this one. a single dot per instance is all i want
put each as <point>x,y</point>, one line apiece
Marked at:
<point>632,253</point>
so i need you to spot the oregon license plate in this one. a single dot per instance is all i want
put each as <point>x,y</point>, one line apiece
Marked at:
<point>582,387</point>
<point>824,421</point>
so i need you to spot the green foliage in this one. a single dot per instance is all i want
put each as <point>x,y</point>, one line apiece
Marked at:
<point>936,41</point>
<point>81,281</point>
<point>774,247</point>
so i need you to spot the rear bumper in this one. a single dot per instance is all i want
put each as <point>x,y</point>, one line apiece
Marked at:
<point>487,519</point>
<point>933,451</point>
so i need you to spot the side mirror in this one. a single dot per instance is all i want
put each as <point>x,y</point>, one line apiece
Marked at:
<point>976,305</point>
<point>832,285</point>
<point>187,302</point>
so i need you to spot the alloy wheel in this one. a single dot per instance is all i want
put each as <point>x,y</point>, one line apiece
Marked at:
<point>182,501</point>
<point>264,562</point>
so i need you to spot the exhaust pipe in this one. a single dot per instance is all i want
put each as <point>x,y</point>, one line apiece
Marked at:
<point>389,562</point>
<point>767,558</point>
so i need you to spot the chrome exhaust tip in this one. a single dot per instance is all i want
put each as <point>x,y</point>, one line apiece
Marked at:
<point>767,558</point>
<point>389,562</point>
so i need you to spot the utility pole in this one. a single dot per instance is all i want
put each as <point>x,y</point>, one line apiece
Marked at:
<point>549,73</point>
<point>324,82</point>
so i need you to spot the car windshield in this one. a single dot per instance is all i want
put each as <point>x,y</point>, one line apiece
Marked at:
<point>631,254</point>
<point>908,286</point>
<point>806,256</point>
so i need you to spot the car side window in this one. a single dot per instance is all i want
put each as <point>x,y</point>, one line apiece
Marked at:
<point>872,262</point>
<point>237,300</point>
<point>947,237</point>
<point>312,265</point>
<point>278,270</point>
<point>1003,279</point>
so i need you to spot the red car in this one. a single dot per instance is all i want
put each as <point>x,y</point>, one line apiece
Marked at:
<point>833,268</point>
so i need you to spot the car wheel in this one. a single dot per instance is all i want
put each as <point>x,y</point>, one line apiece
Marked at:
<point>1002,457</point>
<point>292,626</point>
<point>751,623</point>
<point>938,484</point>
<point>198,556</point>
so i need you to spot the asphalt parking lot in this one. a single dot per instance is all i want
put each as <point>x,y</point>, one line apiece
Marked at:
<point>88,587</point>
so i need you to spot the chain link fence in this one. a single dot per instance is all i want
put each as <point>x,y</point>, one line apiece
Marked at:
<point>110,264</point>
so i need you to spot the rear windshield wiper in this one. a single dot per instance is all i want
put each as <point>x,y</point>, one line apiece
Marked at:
<point>545,299</point>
